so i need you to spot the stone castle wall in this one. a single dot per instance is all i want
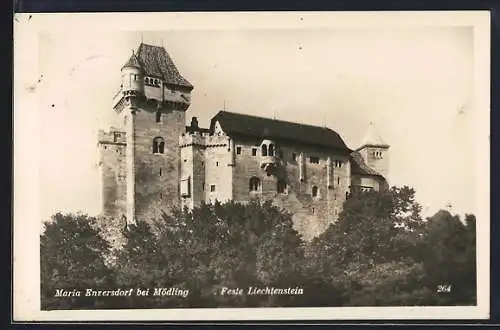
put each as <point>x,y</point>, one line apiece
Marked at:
<point>219,168</point>
<point>374,161</point>
<point>112,164</point>
<point>311,214</point>
<point>157,174</point>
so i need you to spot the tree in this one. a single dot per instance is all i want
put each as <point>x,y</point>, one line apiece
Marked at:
<point>380,252</point>
<point>389,284</point>
<point>450,258</point>
<point>139,265</point>
<point>371,249</point>
<point>213,246</point>
<point>71,258</point>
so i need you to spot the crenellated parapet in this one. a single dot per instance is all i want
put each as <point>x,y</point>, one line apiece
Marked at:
<point>113,136</point>
<point>202,140</point>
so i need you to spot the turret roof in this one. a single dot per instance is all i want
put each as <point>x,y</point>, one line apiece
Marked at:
<point>133,62</point>
<point>372,138</point>
<point>156,62</point>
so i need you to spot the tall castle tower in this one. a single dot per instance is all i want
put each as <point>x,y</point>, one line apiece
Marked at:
<point>141,161</point>
<point>375,151</point>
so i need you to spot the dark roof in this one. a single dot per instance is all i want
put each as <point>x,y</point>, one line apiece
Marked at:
<point>156,62</point>
<point>133,62</point>
<point>260,127</point>
<point>358,166</point>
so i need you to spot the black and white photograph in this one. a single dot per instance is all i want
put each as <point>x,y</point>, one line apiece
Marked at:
<point>211,166</point>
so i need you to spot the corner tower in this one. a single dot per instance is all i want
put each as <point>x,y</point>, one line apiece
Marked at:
<point>152,101</point>
<point>374,151</point>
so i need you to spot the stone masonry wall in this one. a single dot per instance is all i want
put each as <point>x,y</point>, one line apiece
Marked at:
<point>187,161</point>
<point>193,168</point>
<point>157,175</point>
<point>218,169</point>
<point>112,167</point>
<point>213,161</point>
<point>379,164</point>
<point>311,214</point>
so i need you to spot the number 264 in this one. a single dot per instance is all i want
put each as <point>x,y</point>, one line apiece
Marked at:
<point>444,288</point>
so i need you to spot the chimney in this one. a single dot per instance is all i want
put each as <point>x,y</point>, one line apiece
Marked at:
<point>194,123</point>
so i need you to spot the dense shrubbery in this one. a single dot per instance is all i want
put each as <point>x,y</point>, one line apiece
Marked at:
<point>379,253</point>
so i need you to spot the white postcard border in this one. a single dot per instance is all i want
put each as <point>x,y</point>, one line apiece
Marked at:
<point>26,223</point>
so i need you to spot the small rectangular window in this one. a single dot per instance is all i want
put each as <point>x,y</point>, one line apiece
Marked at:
<point>185,187</point>
<point>212,187</point>
<point>238,150</point>
<point>254,151</point>
<point>314,160</point>
<point>160,171</point>
<point>216,163</point>
<point>338,180</point>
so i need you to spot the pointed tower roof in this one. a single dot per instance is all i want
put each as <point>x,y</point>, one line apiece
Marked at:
<point>133,62</point>
<point>372,138</point>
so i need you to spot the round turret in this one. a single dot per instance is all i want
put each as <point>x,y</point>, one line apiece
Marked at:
<point>132,77</point>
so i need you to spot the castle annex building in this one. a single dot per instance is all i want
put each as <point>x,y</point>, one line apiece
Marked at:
<point>155,162</point>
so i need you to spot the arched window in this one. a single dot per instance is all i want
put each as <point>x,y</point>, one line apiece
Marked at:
<point>314,191</point>
<point>254,184</point>
<point>281,186</point>
<point>264,150</point>
<point>158,145</point>
<point>271,149</point>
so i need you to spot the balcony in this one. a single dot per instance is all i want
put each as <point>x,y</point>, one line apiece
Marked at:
<point>267,162</point>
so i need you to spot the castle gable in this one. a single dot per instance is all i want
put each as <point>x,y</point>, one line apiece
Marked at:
<point>235,124</point>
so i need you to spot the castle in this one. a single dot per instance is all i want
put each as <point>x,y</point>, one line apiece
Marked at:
<point>155,162</point>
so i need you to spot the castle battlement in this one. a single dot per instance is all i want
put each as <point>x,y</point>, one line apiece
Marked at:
<point>113,136</point>
<point>199,139</point>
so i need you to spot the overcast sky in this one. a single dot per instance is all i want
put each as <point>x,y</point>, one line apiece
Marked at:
<point>414,83</point>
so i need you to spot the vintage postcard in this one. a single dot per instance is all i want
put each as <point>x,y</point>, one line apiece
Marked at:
<point>251,166</point>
